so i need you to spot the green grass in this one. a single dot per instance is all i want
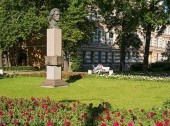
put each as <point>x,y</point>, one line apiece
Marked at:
<point>120,93</point>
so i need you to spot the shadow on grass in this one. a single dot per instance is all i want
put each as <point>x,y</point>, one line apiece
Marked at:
<point>94,112</point>
<point>74,78</point>
<point>69,101</point>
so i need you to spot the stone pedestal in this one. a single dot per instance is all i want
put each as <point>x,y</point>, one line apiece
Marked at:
<point>54,60</point>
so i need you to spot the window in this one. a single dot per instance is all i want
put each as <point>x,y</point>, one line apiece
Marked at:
<point>103,57</point>
<point>86,57</point>
<point>99,36</point>
<point>95,57</point>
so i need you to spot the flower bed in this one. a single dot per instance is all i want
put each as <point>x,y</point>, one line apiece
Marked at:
<point>46,112</point>
<point>134,77</point>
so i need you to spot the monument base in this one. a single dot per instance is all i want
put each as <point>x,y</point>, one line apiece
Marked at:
<point>54,83</point>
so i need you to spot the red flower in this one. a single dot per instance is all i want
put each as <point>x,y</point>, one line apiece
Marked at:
<point>1,113</point>
<point>28,110</point>
<point>61,105</point>
<point>151,114</point>
<point>54,110</point>
<point>108,117</point>
<point>33,99</point>
<point>167,122</point>
<point>159,124</point>
<point>100,117</point>
<point>130,124</point>
<point>44,106</point>
<point>115,124</point>
<point>49,123</point>
<point>103,124</point>
<point>67,123</point>
<point>23,114</point>
<point>117,115</point>
<point>10,113</point>
<point>121,120</point>
<point>16,121</point>
<point>31,118</point>
<point>48,111</point>
<point>35,103</point>
<point>2,124</point>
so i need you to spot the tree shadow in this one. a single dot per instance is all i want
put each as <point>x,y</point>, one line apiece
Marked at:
<point>74,78</point>
<point>93,112</point>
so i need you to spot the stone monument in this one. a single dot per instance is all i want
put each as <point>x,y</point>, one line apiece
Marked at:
<point>54,59</point>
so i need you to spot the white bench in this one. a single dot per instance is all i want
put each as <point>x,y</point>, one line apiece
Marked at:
<point>102,70</point>
<point>106,70</point>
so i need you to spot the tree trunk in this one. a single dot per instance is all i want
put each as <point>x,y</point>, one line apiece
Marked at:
<point>66,65</point>
<point>66,61</point>
<point>0,58</point>
<point>147,47</point>
<point>122,56</point>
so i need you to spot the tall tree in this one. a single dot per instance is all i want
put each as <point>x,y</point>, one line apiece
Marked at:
<point>154,14</point>
<point>24,20</point>
<point>77,29</point>
<point>121,15</point>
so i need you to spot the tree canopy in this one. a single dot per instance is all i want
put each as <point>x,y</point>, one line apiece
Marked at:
<point>22,20</point>
<point>120,16</point>
<point>153,15</point>
<point>77,29</point>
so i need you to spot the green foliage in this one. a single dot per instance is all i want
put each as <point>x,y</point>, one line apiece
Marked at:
<point>153,15</point>
<point>136,67</point>
<point>166,104</point>
<point>76,63</point>
<point>77,29</point>
<point>154,67</point>
<point>120,16</point>
<point>160,66</point>
<point>18,68</point>
<point>20,21</point>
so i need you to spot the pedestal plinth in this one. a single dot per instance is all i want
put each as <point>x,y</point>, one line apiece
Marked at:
<point>54,60</point>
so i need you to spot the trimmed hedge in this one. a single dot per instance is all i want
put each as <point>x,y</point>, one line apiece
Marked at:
<point>18,68</point>
<point>160,66</point>
<point>136,67</point>
<point>153,67</point>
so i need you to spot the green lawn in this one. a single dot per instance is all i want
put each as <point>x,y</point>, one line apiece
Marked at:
<point>120,93</point>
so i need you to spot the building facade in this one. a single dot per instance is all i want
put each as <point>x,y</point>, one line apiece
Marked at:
<point>103,50</point>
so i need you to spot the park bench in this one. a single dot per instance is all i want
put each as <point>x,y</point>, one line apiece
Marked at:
<point>101,70</point>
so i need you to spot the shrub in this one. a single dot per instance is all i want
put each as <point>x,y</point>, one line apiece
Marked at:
<point>76,63</point>
<point>136,67</point>
<point>160,66</point>
<point>18,68</point>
